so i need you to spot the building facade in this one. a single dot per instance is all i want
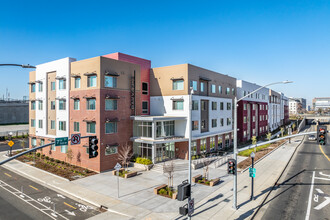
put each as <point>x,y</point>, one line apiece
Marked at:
<point>321,103</point>
<point>274,112</point>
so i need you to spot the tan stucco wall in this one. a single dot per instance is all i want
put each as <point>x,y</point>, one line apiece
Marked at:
<point>32,96</point>
<point>51,95</point>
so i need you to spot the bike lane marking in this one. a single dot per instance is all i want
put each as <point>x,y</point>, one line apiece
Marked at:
<point>310,198</point>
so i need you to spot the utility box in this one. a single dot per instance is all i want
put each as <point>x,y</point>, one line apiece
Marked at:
<point>183,210</point>
<point>184,190</point>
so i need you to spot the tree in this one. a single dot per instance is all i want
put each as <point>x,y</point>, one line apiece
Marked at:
<point>69,155</point>
<point>78,157</point>
<point>293,126</point>
<point>269,136</point>
<point>282,131</point>
<point>23,142</point>
<point>168,170</point>
<point>206,164</point>
<point>125,154</point>
<point>254,142</point>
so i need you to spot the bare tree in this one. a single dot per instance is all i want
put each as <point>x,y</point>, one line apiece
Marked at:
<point>23,142</point>
<point>69,155</point>
<point>254,142</point>
<point>206,164</point>
<point>125,154</point>
<point>79,157</point>
<point>282,131</point>
<point>269,136</point>
<point>168,170</point>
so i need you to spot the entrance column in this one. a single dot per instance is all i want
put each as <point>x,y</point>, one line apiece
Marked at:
<point>153,153</point>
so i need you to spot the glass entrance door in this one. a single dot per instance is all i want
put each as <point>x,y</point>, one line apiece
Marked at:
<point>165,152</point>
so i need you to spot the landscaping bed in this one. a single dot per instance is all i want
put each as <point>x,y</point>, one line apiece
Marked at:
<point>125,173</point>
<point>165,191</point>
<point>57,167</point>
<point>201,180</point>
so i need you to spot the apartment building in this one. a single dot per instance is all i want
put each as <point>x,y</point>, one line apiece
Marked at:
<point>295,106</point>
<point>274,112</point>
<point>284,109</point>
<point>321,103</point>
<point>164,134</point>
<point>252,111</point>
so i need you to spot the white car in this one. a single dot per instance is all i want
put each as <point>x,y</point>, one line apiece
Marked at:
<point>312,138</point>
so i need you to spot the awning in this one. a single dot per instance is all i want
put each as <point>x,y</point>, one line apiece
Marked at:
<point>112,145</point>
<point>204,78</point>
<point>111,74</point>
<point>111,96</point>
<point>89,120</point>
<point>179,78</point>
<point>60,77</point>
<point>90,74</point>
<point>75,75</point>
<point>74,97</point>
<point>90,97</point>
<point>111,120</point>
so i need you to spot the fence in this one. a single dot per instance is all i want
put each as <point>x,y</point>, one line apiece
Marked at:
<point>14,133</point>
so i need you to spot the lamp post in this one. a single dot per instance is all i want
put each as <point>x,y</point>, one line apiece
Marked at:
<point>252,157</point>
<point>21,65</point>
<point>190,137</point>
<point>235,134</point>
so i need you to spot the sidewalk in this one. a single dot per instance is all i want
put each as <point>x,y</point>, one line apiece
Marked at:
<point>217,205</point>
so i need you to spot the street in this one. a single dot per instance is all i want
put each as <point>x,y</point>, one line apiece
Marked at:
<point>22,198</point>
<point>17,145</point>
<point>303,191</point>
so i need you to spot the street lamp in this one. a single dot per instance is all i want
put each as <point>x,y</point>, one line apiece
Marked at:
<point>190,137</point>
<point>21,65</point>
<point>235,134</point>
<point>252,155</point>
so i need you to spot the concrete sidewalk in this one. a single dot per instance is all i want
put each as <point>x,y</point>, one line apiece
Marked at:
<point>216,205</point>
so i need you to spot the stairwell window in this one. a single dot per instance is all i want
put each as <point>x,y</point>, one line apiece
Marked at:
<point>110,81</point>
<point>91,81</point>
<point>177,85</point>
<point>62,125</point>
<point>177,105</point>
<point>145,88</point>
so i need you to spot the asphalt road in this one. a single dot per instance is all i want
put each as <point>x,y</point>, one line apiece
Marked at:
<point>21,198</point>
<point>17,145</point>
<point>304,189</point>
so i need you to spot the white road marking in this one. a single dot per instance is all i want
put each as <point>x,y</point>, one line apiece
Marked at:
<point>320,178</point>
<point>70,213</point>
<point>319,191</point>
<point>310,198</point>
<point>326,202</point>
<point>324,174</point>
<point>61,196</point>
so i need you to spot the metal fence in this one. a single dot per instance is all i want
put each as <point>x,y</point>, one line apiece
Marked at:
<point>14,133</point>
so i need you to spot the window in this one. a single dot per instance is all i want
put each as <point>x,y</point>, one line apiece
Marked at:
<point>52,105</point>
<point>76,104</point>
<point>144,129</point>
<point>220,89</point>
<point>145,88</point>
<point>33,123</point>
<point>193,84</point>
<point>62,125</point>
<point>111,150</point>
<point>61,104</point>
<point>214,123</point>
<point>260,107</point>
<point>76,126</point>
<point>221,105</point>
<point>177,85</point>
<point>203,145</point>
<point>266,117</point>
<point>40,123</point>
<point>90,104</point>
<point>213,88</point>
<point>253,106</point>
<point>193,148</point>
<point>228,121</point>
<point>77,82</point>
<point>221,122</point>
<point>244,106</point>
<point>110,81</point>
<point>42,142</point>
<point>33,142</point>
<point>111,127</point>
<point>62,84</point>
<point>202,86</point>
<point>91,127</point>
<point>266,107</point>
<point>228,106</point>
<point>111,104</point>
<point>33,87</point>
<point>64,148</point>
<point>52,124</point>
<point>253,118</point>
<point>194,105</point>
<point>233,91</point>
<point>40,87</point>
<point>227,91</point>
<point>244,133</point>
<point>214,105</point>
<point>52,86</point>
<point>53,148</point>
<point>204,105</point>
<point>203,124</point>
<point>145,109</point>
<point>164,129</point>
<point>194,125</point>
<point>212,143</point>
<point>244,119</point>
<point>260,118</point>
<point>33,105</point>
<point>177,105</point>
<point>40,105</point>
<point>91,81</point>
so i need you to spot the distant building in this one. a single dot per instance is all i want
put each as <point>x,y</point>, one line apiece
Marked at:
<point>303,103</point>
<point>295,106</point>
<point>321,103</point>
<point>14,112</point>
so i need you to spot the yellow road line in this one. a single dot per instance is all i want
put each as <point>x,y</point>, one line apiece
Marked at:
<point>33,187</point>
<point>69,205</point>
<point>324,153</point>
<point>8,174</point>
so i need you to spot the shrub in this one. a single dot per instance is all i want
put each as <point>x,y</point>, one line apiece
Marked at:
<point>62,162</point>
<point>57,161</point>
<point>200,181</point>
<point>162,192</point>
<point>144,161</point>
<point>170,193</point>
<point>207,182</point>
<point>47,158</point>
<point>38,154</point>
<point>52,159</point>
<point>43,156</point>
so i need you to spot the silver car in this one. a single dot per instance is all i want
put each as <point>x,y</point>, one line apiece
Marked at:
<point>312,137</point>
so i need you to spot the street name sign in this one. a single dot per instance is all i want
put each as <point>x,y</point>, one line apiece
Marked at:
<point>252,172</point>
<point>11,143</point>
<point>61,141</point>
<point>75,139</point>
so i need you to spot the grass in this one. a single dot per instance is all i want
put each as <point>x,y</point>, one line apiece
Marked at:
<point>247,152</point>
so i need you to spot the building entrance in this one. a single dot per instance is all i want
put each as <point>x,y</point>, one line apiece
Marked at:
<point>164,152</point>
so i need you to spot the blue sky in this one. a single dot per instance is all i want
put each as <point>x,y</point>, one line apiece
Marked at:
<point>257,41</point>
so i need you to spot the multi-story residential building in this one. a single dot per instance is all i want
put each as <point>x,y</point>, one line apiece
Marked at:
<point>274,112</point>
<point>96,96</point>
<point>252,111</point>
<point>321,103</point>
<point>295,106</point>
<point>164,134</point>
<point>284,109</point>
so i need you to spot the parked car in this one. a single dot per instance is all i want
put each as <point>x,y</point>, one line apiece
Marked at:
<point>312,137</point>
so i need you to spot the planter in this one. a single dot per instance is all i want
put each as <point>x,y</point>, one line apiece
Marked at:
<point>164,186</point>
<point>174,195</point>
<point>196,178</point>
<point>156,190</point>
<point>141,166</point>
<point>214,182</point>
<point>130,174</point>
<point>114,172</point>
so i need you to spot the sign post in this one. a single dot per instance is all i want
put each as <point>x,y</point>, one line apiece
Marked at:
<point>117,167</point>
<point>252,172</point>
<point>191,203</point>
<point>10,143</point>
<point>75,139</point>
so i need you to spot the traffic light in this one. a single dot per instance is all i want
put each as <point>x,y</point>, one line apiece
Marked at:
<point>322,134</point>
<point>93,141</point>
<point>184,190</point>
<point>232,166</point>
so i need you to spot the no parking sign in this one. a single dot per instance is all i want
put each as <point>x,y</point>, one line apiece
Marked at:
<point>75,139</point>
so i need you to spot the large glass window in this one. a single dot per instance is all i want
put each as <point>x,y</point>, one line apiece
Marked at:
<point>77,82</point>
<point>62,104</point>
<point>143,150</point>
<point>76,105</point>
<point>203,145</point>
<point>76,127</point>
<point>62,125</point>
<point>177,84</point>
<point>193,84</point>
<point>33,87</point>
<point>213,88</point>
<point>91,104</point>
<point>91,81</point>
<point>165,129</point>
<point>194,105</point>
<point>33,105</point>
<point>62,84</point>
<point>144,129</point>
<point>110,81</point>
<point>194,125</point>
<point>111,104</point>
<point>110,127</point>
<point>177,105</point>
<point>91,127</point>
